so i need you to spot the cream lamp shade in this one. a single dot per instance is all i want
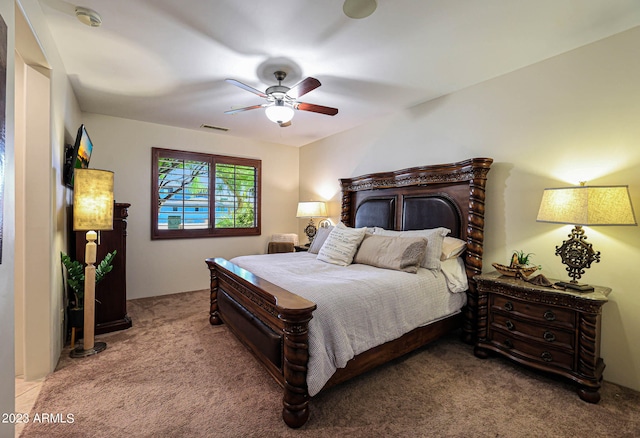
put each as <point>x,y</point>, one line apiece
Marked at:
<point>312,209</point>
<point>587,205</point>
<point>584,205</point>
<point>92,200</point>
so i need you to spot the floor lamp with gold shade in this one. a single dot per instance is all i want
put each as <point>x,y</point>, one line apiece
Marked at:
<point>92,212</point>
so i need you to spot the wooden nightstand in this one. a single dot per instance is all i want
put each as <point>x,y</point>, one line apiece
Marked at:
<point>542,327</point>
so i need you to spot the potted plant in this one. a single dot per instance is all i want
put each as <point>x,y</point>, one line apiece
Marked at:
<point>520,259</point>
<point>520,265</point>
<point>75,280</point>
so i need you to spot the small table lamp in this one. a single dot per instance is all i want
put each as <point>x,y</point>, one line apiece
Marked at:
<point>92,211</point>
<point>584,205</point>
<point>311,210</point>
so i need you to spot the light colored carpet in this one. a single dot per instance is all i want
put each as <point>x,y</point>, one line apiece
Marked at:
<point>174,375</point>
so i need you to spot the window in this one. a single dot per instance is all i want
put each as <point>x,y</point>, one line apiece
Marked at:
<point>203,195</point>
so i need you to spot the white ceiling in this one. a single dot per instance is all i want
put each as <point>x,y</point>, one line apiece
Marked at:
<point>165,61</point>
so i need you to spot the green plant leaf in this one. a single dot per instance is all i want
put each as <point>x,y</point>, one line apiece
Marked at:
<point>523,258</point>
<point>105,266</point>
<point>75,274</point>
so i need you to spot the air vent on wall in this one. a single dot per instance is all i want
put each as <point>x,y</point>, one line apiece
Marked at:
<point>217,128</point>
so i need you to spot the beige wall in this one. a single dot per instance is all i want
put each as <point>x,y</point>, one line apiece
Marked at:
<point>570,118</point>
<point>169,266</point>
<point>48,107</point>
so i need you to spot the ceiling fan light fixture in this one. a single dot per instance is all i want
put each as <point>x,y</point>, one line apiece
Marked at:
<point>282,101</point>
<point>88,16</point>
<point>359,8</point>
<point>279,112</point>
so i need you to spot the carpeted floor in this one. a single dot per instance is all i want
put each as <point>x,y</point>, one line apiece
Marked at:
<point>174,375</point>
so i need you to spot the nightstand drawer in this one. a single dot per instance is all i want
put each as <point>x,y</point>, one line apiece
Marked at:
<point>533,352</point>
<point>548,315</point>
<point>534,332</point>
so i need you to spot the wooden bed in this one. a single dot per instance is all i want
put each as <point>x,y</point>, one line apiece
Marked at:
<point>273,323</point>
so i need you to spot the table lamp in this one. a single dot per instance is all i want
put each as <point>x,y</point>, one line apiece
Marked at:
<point>311,210</point>
<point>92,211</point>
<point>579,206</point>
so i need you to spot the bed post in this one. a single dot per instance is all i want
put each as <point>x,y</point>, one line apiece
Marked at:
<point>475,244</point>
<point>214,317</point>
<point>295,410</point>
<point>345,213</point>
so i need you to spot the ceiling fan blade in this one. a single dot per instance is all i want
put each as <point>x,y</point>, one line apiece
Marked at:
<point>303,87</point>
<point>246,87</point>
<point>284,125</point>
<point>316,108</point>
<point>246,108</point>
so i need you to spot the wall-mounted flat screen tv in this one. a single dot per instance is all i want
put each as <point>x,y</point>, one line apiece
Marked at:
<point>77,155</point>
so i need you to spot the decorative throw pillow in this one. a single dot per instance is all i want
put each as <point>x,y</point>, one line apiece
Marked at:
<point>341,245</point>
<point>455,275</point>
<point>318,241</point>
<point>398,253</point>
<point>434,236</point>
<point>452,248</point>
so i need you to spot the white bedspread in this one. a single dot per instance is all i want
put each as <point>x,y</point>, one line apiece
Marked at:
<point>359,306</point>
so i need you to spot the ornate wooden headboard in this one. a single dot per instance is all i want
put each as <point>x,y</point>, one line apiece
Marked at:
<point>448,195</point>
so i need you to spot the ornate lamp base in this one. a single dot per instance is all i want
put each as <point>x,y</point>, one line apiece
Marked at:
<point>310,231</point>
<point>81,352</point>
<point>578,256</point>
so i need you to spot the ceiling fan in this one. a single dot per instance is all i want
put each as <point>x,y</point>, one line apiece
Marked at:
<point>282,100</point>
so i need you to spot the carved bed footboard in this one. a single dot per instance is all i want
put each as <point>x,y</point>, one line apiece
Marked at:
<point>273,323</point>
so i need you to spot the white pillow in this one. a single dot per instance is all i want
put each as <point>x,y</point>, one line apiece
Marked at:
<point>341,245</point>
<point>319,239</point>
<point>456,274</point>
<point>452,248</point>
<point>434,236</point>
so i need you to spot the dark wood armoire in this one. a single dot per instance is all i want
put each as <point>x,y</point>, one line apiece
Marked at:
<point>111,292</point>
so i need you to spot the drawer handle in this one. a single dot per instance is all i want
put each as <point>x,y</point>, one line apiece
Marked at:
<point>508,343</point>
<point>549,336</point>
<point>549,315</point>
<point>546,356</point>
<point>510,325</point>
<point>508,305</point>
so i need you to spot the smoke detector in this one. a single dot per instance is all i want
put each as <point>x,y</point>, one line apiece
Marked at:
<point>88,16</point>
<point>359,8</point>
